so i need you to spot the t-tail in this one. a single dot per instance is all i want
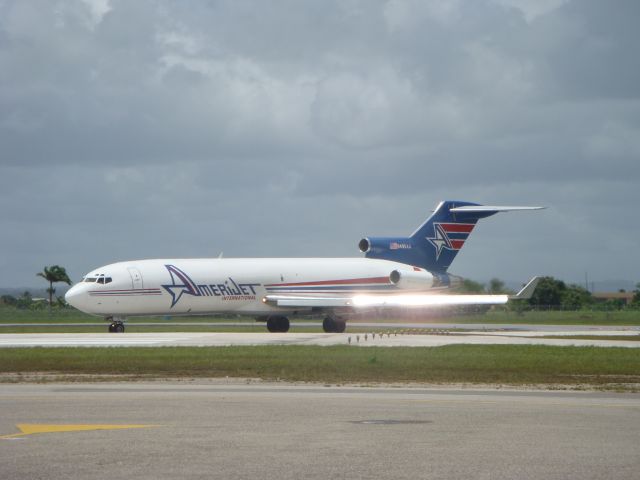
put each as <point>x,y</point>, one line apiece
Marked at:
<point>438,240</point>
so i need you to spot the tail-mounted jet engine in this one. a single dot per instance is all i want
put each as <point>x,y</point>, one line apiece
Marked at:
<point>412,280</point>
<point>396,249</point>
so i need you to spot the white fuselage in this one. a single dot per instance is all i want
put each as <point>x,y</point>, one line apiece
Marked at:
<point>201,286</point>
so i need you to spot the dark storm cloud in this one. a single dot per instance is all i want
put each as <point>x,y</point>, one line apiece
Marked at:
<point>149,129</point>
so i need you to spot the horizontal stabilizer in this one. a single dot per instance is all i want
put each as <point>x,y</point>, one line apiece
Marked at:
<point>527,290</point>
<point>490,209</point>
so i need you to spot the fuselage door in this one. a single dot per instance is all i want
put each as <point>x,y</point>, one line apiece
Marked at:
<point>136,277</point>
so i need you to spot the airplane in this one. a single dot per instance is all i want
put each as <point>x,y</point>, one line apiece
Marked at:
<point>396,272</point>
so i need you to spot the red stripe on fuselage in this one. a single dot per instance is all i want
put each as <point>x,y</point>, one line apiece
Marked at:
<point>458,227</point>
<point>134,290</point>
<point>353,281</point>
<point>457,244</point>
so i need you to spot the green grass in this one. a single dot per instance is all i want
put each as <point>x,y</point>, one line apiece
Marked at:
<point>579,317</point>
<point>253,327</point>
<point>71,315</point>
<point>553,317</point>
<point>10,315</point>
<point>478,364</point>
<point>541,317</point>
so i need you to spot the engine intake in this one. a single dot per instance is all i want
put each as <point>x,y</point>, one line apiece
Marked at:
<point>364,245</point>
<point>396,249</point>
<point>411,279</point>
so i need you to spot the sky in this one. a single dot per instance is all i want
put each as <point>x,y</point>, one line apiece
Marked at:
<point>153,129</point>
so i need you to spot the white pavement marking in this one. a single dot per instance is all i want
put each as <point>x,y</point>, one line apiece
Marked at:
<point>210,339</point>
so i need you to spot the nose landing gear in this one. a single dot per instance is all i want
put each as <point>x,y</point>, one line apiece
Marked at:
<point>117,324</point>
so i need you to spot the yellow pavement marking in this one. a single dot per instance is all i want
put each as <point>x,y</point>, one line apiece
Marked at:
<point>35,428</point>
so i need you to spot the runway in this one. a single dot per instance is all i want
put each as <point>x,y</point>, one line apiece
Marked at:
<point>217,339</point>
<point>509,327</point>
<point>275,431</point>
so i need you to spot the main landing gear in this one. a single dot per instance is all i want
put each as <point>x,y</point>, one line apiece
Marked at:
<point>277,324</point>
<point>116,326</point>
<point>334,325</point>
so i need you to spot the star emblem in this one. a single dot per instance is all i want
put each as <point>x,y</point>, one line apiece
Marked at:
<point>439,240</point>
<point>180,284</point>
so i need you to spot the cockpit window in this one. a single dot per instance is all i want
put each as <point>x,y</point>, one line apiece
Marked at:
<point>98,278</point>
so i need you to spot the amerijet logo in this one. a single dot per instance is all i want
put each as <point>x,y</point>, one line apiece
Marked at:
<point>181,284</point>
<point>450,236</point>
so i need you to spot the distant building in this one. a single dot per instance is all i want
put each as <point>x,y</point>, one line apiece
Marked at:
<point>626,297</point>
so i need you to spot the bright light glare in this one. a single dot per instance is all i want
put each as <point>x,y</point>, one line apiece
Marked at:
<point>427,300</point>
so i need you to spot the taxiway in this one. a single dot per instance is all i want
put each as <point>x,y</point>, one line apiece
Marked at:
<point>408,339</point>
<point>275,431</point>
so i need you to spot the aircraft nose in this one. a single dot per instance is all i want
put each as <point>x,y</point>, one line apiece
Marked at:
<point>75,295</point>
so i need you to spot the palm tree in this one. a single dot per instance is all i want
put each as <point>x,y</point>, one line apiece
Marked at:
<point>52,275</point>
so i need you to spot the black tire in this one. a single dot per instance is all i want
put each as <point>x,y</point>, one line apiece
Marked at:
<point>334,325</point>
<point>278,324</point>
<point>272,324</point>
<point>328,325</point>
<point>112,328</point>
<point>119,328</point>
<point>284,324</point>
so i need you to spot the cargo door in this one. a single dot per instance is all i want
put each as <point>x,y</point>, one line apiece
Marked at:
<point>136,278</point>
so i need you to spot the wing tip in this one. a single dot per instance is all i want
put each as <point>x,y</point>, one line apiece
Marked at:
<point>527,291</point>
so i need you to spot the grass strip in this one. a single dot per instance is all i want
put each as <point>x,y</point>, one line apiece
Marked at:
<point>503,364</point>
<point>139,328</point>
<point>544,317</point>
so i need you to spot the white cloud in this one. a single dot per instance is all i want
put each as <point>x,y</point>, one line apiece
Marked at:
<point>188,126</point>
<point>97,10</point>
<point>402,14</point>
<point>614,140</point>
<point>532,9</point>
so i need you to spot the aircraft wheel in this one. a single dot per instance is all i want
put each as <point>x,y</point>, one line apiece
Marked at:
<point>278,324</point>
<point>118,328</point>
<point>284,324</point>
<point>328,325</point>
<point>112,328</point>
<point>334,325</point>
<point>272,324</point>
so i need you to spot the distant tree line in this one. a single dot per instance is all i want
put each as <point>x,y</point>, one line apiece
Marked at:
<point>551,293</point>
<point>52,274</point>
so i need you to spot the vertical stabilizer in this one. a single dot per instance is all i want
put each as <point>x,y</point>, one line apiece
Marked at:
<point>443,234</point>
<point>436,242</point>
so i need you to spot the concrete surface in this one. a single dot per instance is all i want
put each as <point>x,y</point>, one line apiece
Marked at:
<point>211,339</point>
<point>275,431</point>
<point>355,324</point>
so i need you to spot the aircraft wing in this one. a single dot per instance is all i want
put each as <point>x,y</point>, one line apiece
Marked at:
<point>423,300</point>
<point>381,301</point>
<point>527,291</point>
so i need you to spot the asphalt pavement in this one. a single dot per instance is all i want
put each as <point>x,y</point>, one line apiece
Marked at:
<point>236,430</point>
<point>392,339</point>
